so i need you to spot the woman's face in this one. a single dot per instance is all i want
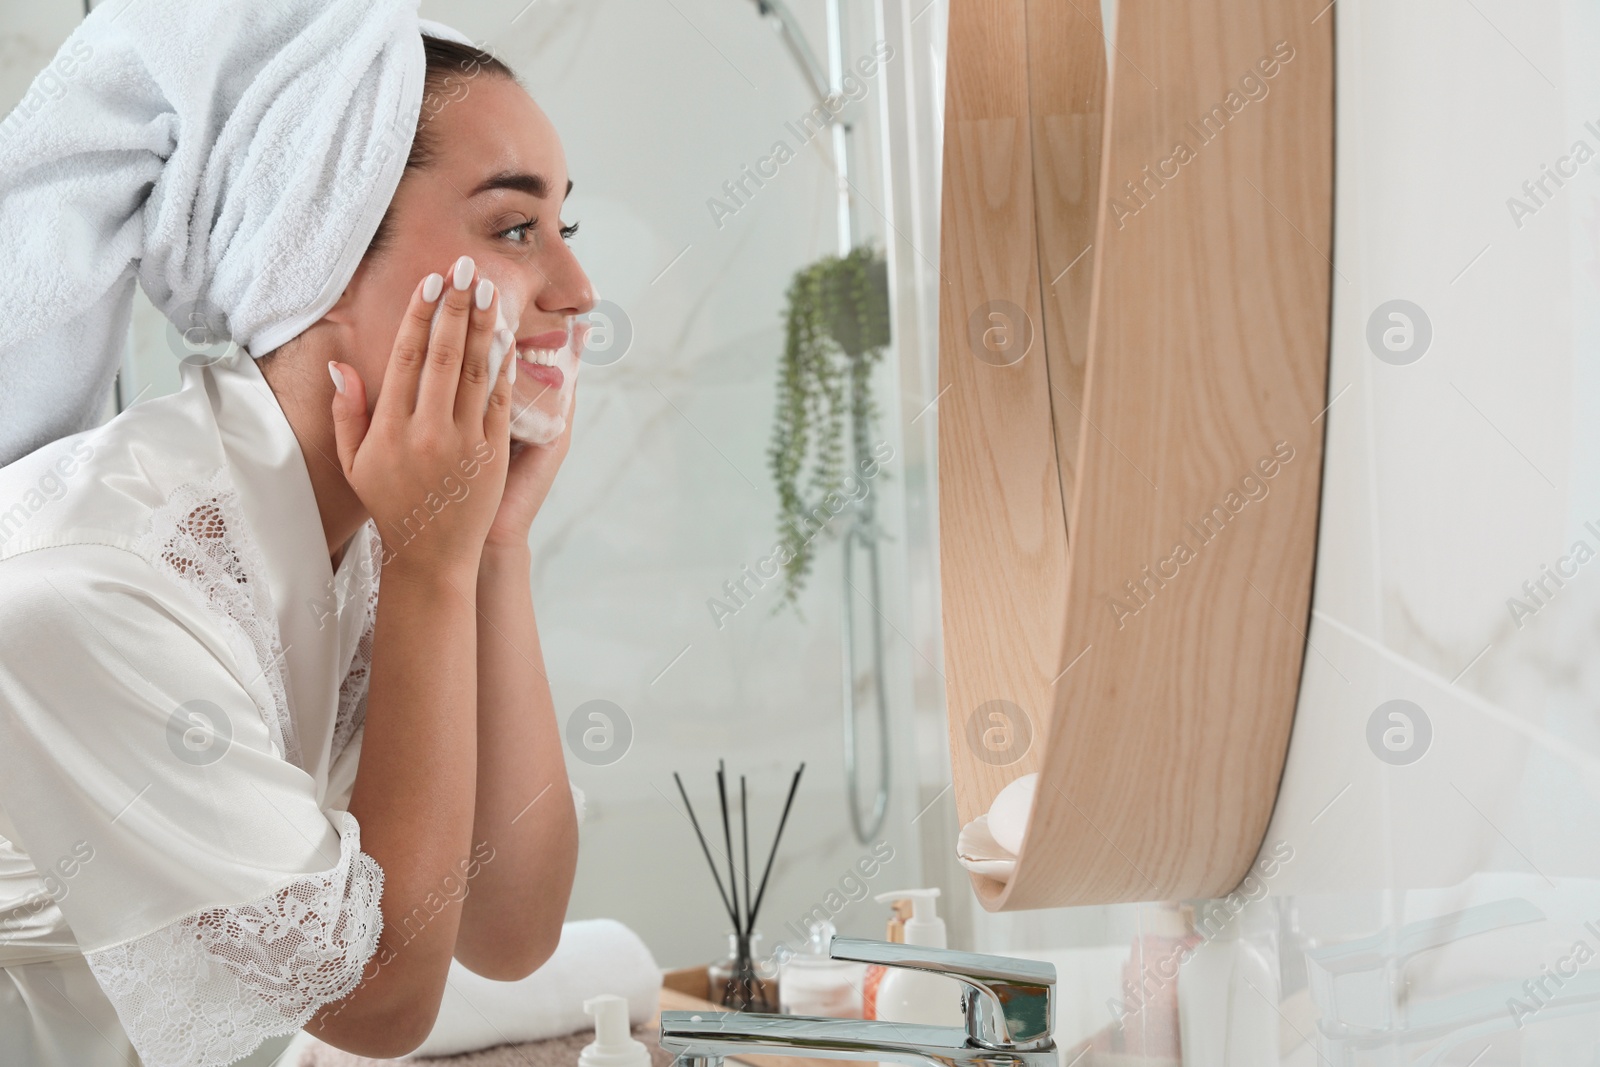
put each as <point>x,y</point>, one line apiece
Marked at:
<point>494,192</point>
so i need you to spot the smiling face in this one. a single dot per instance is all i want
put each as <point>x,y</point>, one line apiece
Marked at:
<point>493,189</point>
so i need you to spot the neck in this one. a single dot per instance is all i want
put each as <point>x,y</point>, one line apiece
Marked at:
<point>306,400</point>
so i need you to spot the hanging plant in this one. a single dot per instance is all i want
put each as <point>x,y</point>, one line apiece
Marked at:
<point>837,326</point>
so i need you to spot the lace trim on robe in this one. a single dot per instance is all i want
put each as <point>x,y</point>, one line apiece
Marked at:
<point>210,988</point>
<point>353,691</point>
<point>200,538</point>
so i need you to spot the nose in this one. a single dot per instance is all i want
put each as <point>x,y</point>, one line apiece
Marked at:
<point>569,291</point>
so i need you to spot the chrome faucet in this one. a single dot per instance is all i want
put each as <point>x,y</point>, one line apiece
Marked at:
<point>1009,1006</point>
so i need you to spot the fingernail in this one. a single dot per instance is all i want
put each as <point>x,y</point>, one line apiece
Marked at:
<point>338,378</point>
<point>432,286</point>
<point>485,294</point>
<point>511,358</point>
<point>463,277</point>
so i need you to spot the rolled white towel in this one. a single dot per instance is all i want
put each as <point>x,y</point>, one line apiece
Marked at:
<point>231,158</point>
<point>595,956</point>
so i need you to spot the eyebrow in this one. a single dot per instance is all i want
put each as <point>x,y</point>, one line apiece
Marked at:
<point>521,181</point>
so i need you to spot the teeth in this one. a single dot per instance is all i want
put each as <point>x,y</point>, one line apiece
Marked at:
<point>542,356</point>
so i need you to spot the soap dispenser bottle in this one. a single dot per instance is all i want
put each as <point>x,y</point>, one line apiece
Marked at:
<point>613,1044</point>
<point>908,996</point>
<point>895,934</point>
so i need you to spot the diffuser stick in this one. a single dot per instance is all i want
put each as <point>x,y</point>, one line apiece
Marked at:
<point>744,826</point>
<point>762,891</point>
<point>705,848</point>
<point>727,840</point>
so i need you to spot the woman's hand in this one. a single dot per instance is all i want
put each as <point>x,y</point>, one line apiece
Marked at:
<point>429,463</point>
<point>533,470</point>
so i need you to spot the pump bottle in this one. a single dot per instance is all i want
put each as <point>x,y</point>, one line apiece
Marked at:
<point>908,996</point>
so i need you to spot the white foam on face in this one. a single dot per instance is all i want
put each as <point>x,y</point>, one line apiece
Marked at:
<point>503,341</point>
<point>531,422</point>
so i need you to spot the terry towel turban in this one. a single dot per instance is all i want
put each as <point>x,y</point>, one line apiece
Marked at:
<point>233,157</point>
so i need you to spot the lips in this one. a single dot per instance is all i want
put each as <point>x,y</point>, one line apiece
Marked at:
<point>550,340</point>
<point>544,374</point>
<point>538,355</point>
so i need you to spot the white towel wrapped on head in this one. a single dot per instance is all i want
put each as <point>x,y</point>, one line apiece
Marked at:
<point>234,157</point>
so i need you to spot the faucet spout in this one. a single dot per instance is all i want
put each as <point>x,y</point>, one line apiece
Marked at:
<point>1009,1006</point>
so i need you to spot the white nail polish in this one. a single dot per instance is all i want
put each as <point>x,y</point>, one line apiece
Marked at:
<point>432,286</point>
<point>485,294</point>
<point>463,275</point>
<point>338,378</point>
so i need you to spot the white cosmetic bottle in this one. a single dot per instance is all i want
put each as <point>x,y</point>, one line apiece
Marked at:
<point>613,1044</point>
<point>907,996</point>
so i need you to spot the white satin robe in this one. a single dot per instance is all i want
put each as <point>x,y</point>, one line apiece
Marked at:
<point>182,686</point>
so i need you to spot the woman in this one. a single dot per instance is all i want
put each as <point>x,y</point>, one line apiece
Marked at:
<point>241,791</point>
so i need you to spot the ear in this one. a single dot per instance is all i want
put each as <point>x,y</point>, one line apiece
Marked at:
<point>342,312</point>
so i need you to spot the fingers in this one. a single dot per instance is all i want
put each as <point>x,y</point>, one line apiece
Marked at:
<point>441,371</point>
<point>400,377</point>
<point>474,387</point>
<point>350,419</point>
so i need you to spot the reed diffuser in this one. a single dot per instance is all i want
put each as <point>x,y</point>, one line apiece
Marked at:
<point>743,988</point>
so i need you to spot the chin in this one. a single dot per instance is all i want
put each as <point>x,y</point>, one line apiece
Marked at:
<point>535,427</point>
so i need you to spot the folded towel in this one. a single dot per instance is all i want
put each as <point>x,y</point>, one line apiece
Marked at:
<point>595,956</point>
<point>989,845</point>
<point>234,157</point>
<point>554,1052</point>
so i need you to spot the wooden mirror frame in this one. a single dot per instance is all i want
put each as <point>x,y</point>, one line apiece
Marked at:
<point>1133,354</point>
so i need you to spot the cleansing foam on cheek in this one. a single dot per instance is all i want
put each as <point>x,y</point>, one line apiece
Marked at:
<point>503,341</point>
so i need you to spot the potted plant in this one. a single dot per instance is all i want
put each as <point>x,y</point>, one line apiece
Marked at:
<point>837,327</point>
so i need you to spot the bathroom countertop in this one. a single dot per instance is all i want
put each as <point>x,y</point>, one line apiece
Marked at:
<point>552,1052</point>
<point>307,1051</point>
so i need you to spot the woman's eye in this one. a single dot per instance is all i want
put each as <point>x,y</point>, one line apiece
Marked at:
<point>567,232</point>
<point>517,229</point>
